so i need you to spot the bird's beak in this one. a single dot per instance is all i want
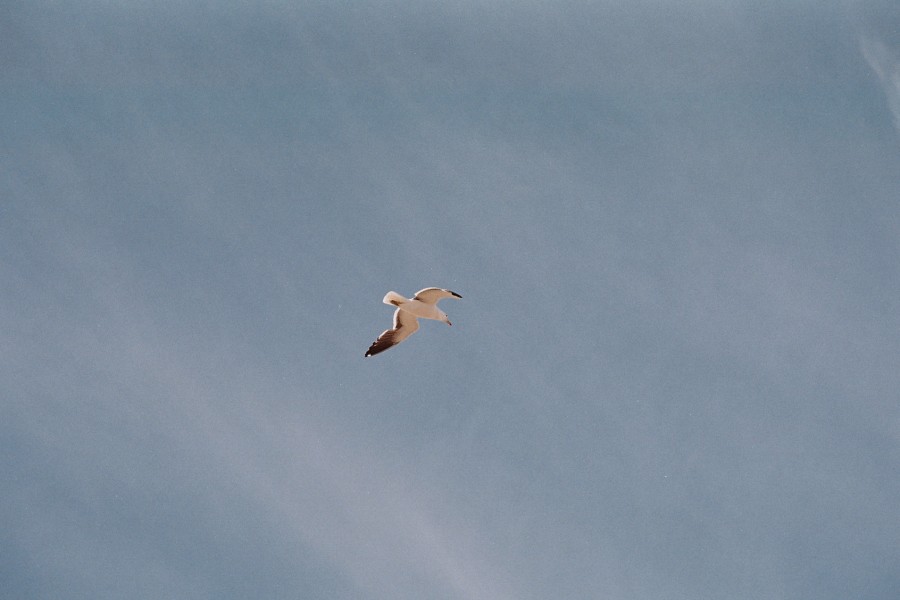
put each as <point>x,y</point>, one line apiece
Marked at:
<point>449,323</point>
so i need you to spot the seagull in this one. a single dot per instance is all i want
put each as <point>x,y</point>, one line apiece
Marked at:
<point>406,317</point>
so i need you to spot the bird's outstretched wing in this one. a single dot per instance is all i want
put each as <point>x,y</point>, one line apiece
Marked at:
<point>405,324</point>
<point>432,295</point>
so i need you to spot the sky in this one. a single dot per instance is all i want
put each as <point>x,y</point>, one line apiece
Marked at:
<point>673,373</point>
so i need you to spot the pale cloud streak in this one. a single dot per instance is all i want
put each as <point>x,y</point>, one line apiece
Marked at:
<point>885,62</point>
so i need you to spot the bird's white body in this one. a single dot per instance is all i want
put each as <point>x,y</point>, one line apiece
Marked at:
<point>420,309</point>
<point>406,318</point>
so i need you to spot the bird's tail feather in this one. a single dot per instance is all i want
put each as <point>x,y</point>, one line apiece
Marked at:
<point>394,299</point>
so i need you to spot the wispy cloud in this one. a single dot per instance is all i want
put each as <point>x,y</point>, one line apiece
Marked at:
<point>885,61</point>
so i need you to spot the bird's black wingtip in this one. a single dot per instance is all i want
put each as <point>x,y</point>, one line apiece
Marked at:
<point>454,294</point>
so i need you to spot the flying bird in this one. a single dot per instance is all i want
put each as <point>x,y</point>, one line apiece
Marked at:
<point>406,317</point>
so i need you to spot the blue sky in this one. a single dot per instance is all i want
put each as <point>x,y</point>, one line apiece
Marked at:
<point>673,372</point>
